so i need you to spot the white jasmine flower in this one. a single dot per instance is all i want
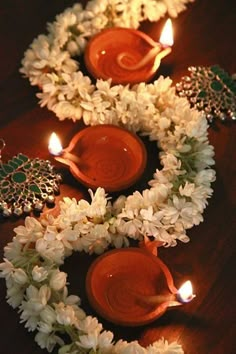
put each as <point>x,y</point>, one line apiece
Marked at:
<point>32,231</point>
<point>175,208</point>
<point>98,203</point>
<point>71,300</point>
<point>156,196</point>
<point>119,204</point>
<point>48,315</point>
<point>200,196</point>
<point>154,10</point>
<point>163,347</point>
<point>90,324</point>
<point>15,294</point>
<point>65,314</point>
<point>48,341</point>
<point>57,280</point>
<point>134,201</point>
<point>170,163</point>
<point>12,251</point>
<point>19,276</point>
<point>123,347</point>
<point>38,298</point>
<point>119,241</point>
<point>187,190</point>
<point>105,340</point>
<point>130,228</point>
<point>53,251</point>
<point>88,341</point>
<point>205,156</point>
<point>67,237</point>
<point>65,109</point>
<point>44,327</point>
<point>6,269</point>
<point>39,273</point>
<point>205,177</point>
<point>72,212</point>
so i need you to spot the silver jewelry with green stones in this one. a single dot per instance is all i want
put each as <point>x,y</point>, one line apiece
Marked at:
<point>210,89</point>
<point>26,185</point>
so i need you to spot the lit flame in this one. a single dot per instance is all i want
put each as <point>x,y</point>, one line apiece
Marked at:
<point>54,146</point>
<point>166,38</point>
<point>185,292</point>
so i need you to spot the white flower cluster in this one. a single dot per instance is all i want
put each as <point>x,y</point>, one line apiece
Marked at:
<point>179,192</point>
<point>49,63</point>
<point>174,202</point>
<point>38,288</point>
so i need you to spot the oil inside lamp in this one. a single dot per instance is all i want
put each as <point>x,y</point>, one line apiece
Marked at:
<point>125,55</point>
<point>158,52</point>
<point>104,156</point>
<point>133,287</point>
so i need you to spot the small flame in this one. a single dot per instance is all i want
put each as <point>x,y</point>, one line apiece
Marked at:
<point>54,146</point>
<point>166,38</point>
<point>185,292</point>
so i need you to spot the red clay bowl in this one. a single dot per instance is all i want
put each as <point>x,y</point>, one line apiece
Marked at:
<point>102,50</point>
<point>116,278</point>
<point>109,156</point>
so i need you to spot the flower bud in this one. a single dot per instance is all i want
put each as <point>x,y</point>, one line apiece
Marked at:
<point>39,274</point>
<point>58,280</point>
<point>19,276</point>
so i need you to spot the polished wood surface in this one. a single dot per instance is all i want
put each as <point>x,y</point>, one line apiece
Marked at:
<point>204,35</point>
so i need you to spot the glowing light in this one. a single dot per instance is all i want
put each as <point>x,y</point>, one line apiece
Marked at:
<point>54,146</point>
<point>167,38</point>
<point>185,292</point>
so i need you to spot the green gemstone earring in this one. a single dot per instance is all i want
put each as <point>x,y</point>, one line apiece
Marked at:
<point>26,184</point>
<point>210,89</point>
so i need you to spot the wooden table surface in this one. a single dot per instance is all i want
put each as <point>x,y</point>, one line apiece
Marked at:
<point>204,35</point>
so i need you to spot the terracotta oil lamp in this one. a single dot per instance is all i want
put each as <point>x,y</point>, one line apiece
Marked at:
<point>103,156</point>
<point>126,56</point>
<point>133,287</point>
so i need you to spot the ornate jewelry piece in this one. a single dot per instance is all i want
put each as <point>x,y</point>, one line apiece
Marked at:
<point>26,185</point>
<point>210,89</point>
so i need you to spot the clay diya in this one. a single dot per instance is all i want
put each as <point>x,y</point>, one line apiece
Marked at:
<point>103,156</point>
<point>125,55</point>
<point>132,287</point>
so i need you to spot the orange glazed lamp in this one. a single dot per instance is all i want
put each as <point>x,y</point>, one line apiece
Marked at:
<point>126,56</point>
<point>102,156</point>
<point>133,287</point>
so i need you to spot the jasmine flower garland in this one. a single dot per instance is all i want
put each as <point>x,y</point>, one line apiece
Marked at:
<point>174,202</point>
<point>49,63</point>
<point>38,288</point>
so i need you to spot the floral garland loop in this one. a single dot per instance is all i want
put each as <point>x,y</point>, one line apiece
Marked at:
<point>174,203</point>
